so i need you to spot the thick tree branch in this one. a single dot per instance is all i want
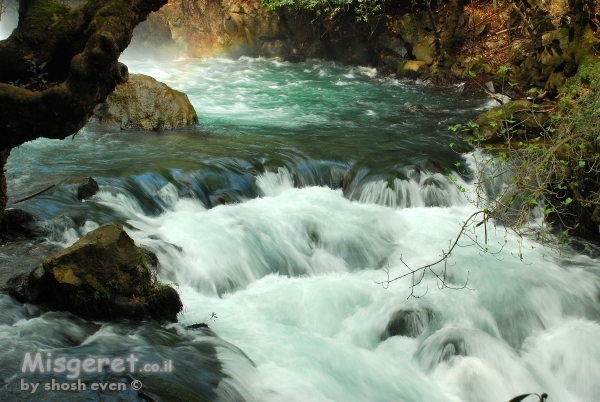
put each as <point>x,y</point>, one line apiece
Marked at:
<point>88,41</point>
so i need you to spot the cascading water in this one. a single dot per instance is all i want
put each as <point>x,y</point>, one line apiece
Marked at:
<point>277,214</point>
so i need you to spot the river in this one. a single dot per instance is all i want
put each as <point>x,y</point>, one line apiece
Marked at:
<point>275,217</point>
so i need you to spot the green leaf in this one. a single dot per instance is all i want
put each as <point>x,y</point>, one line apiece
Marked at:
<point>567,201</point>
<point>503,70</point>
<point>454,127</point>
<point>581,164</point>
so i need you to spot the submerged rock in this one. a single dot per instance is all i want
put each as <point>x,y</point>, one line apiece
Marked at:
<point>104,275</point>
<point>87,188</point>
<point>409,322</point>
<point>416,108</point>
<point>146,104</point>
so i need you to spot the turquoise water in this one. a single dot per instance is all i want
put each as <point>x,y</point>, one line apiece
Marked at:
<point>277,213</point>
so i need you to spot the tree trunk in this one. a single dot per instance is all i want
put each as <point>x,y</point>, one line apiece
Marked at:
<point>58,64</point>
<point>80,48</point>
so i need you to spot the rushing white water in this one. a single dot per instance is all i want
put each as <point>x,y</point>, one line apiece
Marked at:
<point>292,277</point>
<point>285,237</point>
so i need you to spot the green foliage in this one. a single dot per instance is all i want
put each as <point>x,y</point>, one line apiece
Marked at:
<point>363,9</point>
<point>454,128</point>
<point>37,80</point>
<point>38,76</point>
<point>555,172</point>
<point>503,70</point>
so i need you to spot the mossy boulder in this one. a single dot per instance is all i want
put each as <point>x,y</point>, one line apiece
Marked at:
<point>104,275</point>
<point>522,119</point>
<point>145,104</point>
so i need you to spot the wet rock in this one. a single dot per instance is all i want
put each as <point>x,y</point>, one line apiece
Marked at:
<point>197,326</point>
<point>392,61</point>
<point>104,275</point>
<point>18,222</point>
<point>530,118</point>
<point>146,104</point>
<point>412,172</point>
<point>409,322</point>
<point>414,69</point>
<point>416,108</point>
<point>433,181</point>
<point>432,166</point>
<point>87,188</point>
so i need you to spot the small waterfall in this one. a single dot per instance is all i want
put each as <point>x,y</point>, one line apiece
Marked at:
<point>429,190</point>
<point>272,184</point>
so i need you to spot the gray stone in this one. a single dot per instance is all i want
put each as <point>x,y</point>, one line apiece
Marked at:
<point>394,44</point>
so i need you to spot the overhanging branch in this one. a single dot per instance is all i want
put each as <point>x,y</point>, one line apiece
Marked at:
<point>92,38</point>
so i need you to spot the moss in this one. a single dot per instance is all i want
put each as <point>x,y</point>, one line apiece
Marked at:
<point>47,17</point>
<point>90,8</point>
<point>100,15</point>
<point>585,82</point>
<point>114,8</point>
<point>88,303</point>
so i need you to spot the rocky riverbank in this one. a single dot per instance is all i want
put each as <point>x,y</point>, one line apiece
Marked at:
<point>454,41</point>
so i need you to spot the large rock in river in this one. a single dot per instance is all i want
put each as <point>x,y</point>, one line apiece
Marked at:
<point>146,104</point>
<point>104,275</point>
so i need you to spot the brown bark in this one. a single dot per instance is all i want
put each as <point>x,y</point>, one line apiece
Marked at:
<point>81,48</point>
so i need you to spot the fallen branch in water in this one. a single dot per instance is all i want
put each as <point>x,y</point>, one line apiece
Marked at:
<point>36,194</point>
